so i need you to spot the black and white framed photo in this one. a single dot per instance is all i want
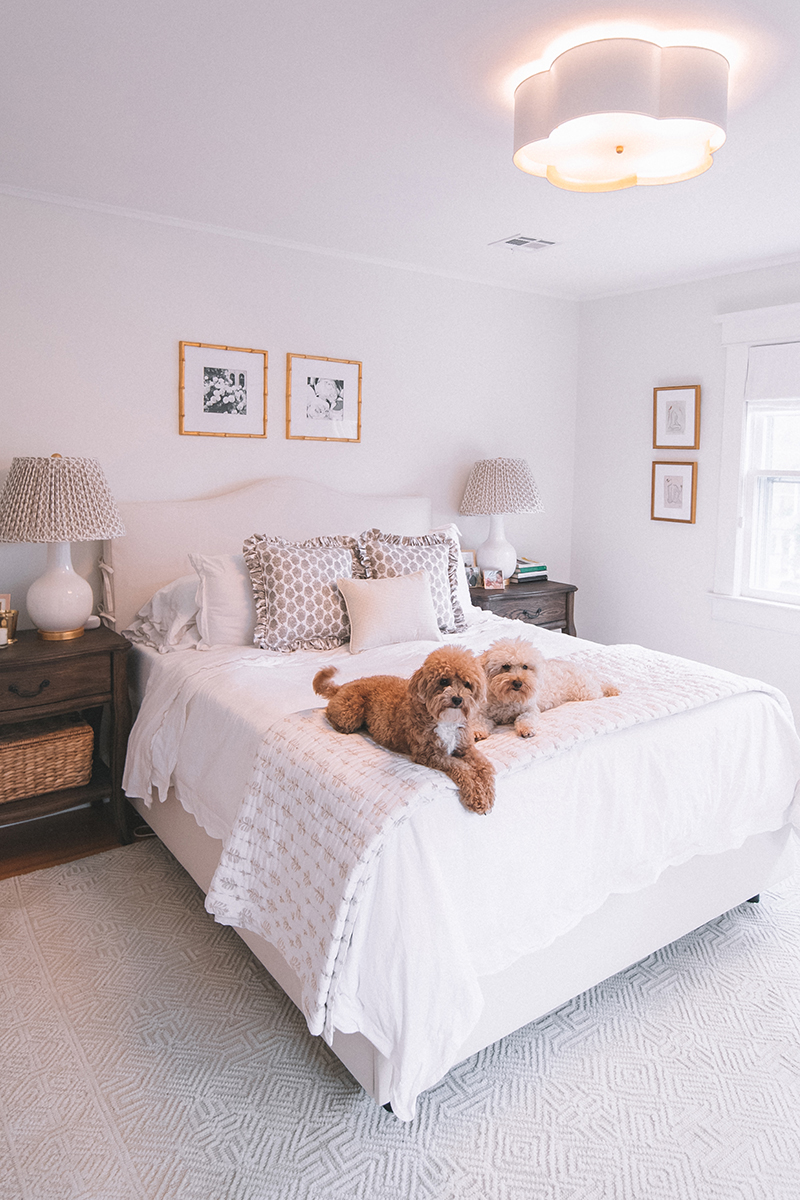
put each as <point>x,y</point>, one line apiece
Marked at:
<point>222,391</point>
<point>676,417</point>
<point>674,492</point>
<point>323,398</point>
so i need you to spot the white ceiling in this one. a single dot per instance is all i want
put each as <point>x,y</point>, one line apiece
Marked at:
<point>382,131</point>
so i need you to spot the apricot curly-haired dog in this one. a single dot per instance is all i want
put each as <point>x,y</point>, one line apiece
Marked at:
<point>430,717</point>
<point>521,683</point>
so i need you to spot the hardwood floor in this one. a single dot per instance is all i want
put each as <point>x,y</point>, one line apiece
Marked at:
<point>61,838</point>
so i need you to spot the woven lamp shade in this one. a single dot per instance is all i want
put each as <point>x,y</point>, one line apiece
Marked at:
<point>57,500</point>
<point>501,485</point>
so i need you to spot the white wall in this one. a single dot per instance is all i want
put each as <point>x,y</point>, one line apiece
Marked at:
<point>92,308</point>
<point>649,581</point>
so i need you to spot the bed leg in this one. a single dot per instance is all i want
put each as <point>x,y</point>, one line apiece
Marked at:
<point>754,899</point>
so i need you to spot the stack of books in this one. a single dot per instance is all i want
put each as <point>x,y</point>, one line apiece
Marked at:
<point>526,570</point>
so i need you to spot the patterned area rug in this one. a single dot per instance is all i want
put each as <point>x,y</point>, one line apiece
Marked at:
<point>144,1054</point>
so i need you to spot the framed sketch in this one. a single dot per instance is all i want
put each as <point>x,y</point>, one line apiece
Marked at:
<point>222,391</point>
<point>674,492</point>
<point>493,580</point>
<point>323,399</point>
<point>676,418</point>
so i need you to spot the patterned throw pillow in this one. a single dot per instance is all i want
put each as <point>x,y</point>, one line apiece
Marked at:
<point>298,603</point>
<point>388,554</point>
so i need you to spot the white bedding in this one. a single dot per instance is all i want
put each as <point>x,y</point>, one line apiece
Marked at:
<point>468,895</point>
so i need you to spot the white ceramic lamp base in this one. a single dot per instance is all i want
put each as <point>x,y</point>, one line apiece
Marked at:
<point>60,602</point>
<point>496,554</point>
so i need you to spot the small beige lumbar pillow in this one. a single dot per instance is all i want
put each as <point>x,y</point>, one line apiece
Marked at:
<point>383,612</point>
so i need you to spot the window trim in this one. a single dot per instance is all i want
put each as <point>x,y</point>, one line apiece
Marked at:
<point>740,331</point>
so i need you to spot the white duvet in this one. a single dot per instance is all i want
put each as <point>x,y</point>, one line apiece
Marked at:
<point>450,896</point>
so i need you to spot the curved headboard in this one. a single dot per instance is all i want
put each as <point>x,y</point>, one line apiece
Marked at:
<point>161,534</point>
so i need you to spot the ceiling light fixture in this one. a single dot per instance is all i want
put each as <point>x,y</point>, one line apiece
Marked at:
<point>618,112</point>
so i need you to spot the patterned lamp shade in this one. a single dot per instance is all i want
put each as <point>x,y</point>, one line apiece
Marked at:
<point>501,485</point>
<point>57,500</point>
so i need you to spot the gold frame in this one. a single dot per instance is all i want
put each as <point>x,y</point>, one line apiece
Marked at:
<point>182,391</point>
<point>690,520</point>
<point>313,437</point>
<point>677,445</point>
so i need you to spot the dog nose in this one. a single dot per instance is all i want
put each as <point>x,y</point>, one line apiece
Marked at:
<point>456,701</point>
<point>517,684</point>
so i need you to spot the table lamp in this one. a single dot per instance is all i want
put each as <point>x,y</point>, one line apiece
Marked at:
<point>497,486</point>
<point>58,500</point>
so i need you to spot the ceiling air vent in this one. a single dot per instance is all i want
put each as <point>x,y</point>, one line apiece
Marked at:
<point>520,242</point>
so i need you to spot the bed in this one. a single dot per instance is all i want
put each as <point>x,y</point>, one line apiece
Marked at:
<point>411,933</point>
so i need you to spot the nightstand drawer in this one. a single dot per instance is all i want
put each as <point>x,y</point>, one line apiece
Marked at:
<point>545,602</point>
<point>29,685</point>
<point>536,610</point>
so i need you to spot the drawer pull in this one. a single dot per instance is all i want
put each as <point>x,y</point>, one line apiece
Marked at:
<point>531,616</point>
<point>12,687</point>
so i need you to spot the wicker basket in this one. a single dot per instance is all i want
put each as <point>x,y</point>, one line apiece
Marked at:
<point>44,756</point>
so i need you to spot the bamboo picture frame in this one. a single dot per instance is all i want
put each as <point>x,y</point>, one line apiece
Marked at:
<point>673,492</point>
<point>323,398</point>
<point>222,391</point>
<point>676,417</point>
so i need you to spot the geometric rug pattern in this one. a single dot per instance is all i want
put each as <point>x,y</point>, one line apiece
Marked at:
<point>145,1055</point>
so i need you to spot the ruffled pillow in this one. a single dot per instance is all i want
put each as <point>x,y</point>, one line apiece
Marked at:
<point>385,555</point>
<point>298,602</point>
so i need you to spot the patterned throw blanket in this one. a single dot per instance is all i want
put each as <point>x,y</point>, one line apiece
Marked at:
<point>321,805</point>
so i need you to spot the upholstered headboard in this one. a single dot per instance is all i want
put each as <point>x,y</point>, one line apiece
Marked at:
<point>161,534</point>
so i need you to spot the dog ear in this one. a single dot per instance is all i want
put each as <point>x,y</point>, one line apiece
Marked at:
<point>418,685</point>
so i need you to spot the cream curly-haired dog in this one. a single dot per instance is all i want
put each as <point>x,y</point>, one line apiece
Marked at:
<point>431,717</point>
<point>521,683</point>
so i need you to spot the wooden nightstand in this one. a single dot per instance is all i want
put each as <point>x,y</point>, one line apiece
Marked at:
<point>41,679</point>
<point>548,603</point>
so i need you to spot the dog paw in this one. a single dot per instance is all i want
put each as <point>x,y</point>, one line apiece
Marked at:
<point>525,729</point>
<point>481,806</point>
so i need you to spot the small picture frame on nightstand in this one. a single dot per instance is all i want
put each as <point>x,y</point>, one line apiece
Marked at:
<point>493,580</point>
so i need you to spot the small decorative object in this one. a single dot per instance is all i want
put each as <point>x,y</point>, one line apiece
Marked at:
<point>492,579</point>
<point>471,567</point>
<point>676,417</point>
<point>8,626</point>
<point>222,391</point>
<point>5,601</point>
<point>58,500</point>
<point>674,492</point>
<point>323,399</point>
<point>497,486</point>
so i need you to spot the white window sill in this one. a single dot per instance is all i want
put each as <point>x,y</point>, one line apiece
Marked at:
<point>765,614</point>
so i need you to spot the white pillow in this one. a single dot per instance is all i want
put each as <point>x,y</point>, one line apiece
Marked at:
<point>169,619</point>
<point>226,605</point>
<point>383,612</point>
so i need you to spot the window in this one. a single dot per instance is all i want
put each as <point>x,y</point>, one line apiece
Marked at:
<point>757,576</point>
<point>770,562</point>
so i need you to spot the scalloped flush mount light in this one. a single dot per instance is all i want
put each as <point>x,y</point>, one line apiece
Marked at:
<point>613,113</point>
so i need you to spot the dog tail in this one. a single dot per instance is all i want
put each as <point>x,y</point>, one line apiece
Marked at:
<point>322,683</point>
